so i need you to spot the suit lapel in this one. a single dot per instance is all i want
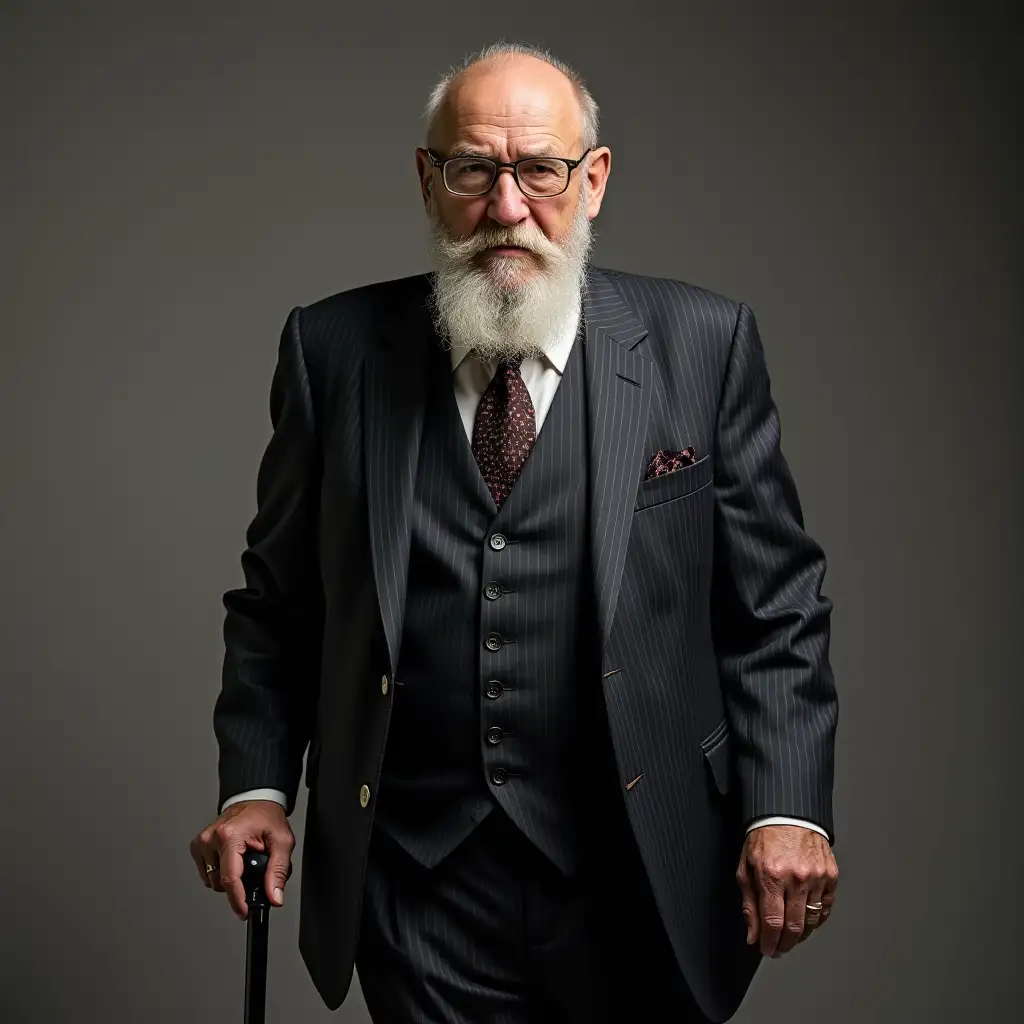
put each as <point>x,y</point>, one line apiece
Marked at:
<point>620,385</point>
<point>395,382</point>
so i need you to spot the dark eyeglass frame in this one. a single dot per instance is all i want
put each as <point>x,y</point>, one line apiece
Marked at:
<point>442,162</point>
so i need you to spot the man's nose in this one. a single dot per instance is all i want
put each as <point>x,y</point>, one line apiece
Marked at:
<point>507,204</point>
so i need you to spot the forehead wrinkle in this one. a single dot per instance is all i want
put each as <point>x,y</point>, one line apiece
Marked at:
<point>486,133</point>
<point>530,118</point>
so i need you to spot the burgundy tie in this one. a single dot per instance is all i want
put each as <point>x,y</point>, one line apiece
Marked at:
<point>504,429</point>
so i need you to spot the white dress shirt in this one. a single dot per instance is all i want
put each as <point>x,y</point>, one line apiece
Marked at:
<point>541,376</point>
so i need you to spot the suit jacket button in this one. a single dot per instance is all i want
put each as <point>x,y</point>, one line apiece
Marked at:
<point>499,776</point>
<point>498,541</point>
<point>384,685</point>
<point>493,642</point>
<point>364,795</point>
<point>494,734</point>
<point>492,591</point>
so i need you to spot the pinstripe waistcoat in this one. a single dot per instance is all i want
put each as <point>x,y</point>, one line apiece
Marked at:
<point>495,677</point>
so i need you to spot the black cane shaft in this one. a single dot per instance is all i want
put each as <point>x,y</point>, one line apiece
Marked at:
<point>258,928</point>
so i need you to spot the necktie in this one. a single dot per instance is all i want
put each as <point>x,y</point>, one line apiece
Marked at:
<point>504,429</point>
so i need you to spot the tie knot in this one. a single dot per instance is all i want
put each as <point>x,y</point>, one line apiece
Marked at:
<point>510,363</point>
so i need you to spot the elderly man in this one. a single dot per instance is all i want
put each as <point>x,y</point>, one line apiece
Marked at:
<point>529,575</point>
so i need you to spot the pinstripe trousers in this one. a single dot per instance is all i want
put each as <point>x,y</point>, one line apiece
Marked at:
<point>496,934</point>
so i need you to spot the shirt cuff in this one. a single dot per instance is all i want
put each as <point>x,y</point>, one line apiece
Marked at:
<point>256,794</point>
<point>780,820</point>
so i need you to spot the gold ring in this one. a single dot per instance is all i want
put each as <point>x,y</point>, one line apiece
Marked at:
<point>210,868</point>
<point>816,907</point>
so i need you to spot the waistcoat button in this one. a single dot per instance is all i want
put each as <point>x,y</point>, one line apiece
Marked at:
<point>493,590</point>
<point>499,776</point>
<point>493,688</point>
<point>498,541</point>
<point>494,734</point>
<point>493,641</point>
<point>364,795</point>
<point>384,685</point>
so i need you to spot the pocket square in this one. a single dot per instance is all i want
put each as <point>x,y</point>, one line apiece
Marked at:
<point>667,461</point>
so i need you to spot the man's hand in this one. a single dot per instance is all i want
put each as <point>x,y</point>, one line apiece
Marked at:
<point>783,868</point>
<point>261,824</point>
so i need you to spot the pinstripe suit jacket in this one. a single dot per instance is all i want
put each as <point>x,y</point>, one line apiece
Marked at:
<point>711,623</point>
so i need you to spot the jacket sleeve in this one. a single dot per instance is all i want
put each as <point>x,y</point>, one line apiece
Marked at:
<point>273,629</point>
<point>769,619</point>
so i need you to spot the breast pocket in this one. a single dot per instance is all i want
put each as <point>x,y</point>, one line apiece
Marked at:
<point>677,484</point>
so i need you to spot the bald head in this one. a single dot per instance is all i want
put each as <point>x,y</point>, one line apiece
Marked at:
<point>504,51</point>
<point>515,99</point>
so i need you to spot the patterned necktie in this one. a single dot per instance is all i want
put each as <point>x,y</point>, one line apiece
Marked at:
<point>504,429</point>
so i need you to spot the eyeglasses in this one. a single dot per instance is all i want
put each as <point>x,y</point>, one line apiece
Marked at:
<point>537,176</point>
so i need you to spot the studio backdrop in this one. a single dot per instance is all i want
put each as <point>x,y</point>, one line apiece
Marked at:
<point>176,177</point>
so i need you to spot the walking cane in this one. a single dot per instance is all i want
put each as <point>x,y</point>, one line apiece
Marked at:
<point>254,868</point>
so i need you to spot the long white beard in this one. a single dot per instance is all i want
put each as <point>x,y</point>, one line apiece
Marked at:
<point>491,308</point>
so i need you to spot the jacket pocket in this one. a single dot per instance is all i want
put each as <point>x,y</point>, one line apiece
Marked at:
<point>677,484</point>
<point>717,750</point>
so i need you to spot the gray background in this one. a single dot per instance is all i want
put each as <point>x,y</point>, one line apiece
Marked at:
<point>175,179</point>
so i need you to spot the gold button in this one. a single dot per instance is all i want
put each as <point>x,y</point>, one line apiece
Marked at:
<point>384,685</point>
<point>364,795</point>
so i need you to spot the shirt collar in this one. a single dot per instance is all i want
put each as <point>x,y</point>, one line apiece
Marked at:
<point>556,348</point>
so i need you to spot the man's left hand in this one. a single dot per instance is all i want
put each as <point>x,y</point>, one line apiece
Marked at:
<point>782,869</point>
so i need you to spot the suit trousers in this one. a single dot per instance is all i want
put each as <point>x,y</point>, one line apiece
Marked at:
<point>496,934</point>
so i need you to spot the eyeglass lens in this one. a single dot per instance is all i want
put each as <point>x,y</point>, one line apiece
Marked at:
<point>469,176</point>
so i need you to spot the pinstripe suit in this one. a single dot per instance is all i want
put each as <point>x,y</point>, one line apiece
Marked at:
<point>711,626</point>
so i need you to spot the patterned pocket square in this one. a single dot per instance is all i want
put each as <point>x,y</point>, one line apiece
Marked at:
<point>667,461</point>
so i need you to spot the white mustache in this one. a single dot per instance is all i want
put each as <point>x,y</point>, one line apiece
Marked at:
<point>487,238</point>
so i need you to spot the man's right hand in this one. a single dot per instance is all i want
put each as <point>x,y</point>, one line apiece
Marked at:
<point>261,824</point>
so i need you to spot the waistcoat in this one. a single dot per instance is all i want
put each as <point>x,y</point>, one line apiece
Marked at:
<point>497,680</point>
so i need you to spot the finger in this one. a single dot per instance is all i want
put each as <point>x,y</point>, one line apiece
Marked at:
<point>750,913</point>
<point>828,895</point>
<point>796,914</point>
<point>229,874</point>
<point>772,904</point>
<point>201,869</point>
<point>212,859</point>
<point>209,857</point>
<point>204,852</point>
<point>279,866</point>
<point>209,872</point>
<point>812,919</point>
<point>197,860</point>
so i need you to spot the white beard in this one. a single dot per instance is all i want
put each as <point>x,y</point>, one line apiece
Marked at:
<point>496,308</point>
